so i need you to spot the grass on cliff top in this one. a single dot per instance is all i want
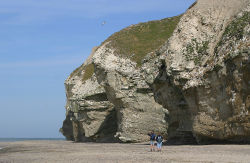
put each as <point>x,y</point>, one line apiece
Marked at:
<point>77,71</point>
<point>88,71</point>
<point>136,41</point>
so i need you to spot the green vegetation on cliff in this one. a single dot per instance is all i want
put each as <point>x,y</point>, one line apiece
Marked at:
<point>89,71</point>
<point>235,30</point>
<point>136,41</point>
<point>76,71</point>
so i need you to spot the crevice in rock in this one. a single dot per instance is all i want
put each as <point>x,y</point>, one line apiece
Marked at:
<point>174,99</point>
<point>97,97</point>
<point>108,129</point>
<point>67,128</point>
<point>144,90</point>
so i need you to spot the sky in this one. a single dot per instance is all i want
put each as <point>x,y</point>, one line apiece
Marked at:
<point>43,41</point>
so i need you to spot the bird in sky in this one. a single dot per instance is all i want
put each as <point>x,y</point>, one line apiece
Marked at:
<point>103,23</point>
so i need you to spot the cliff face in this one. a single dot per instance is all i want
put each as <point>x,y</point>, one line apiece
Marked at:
<point>119,77</point>
<point>204,80</point>
<point>89,114</point>
<point>126,88</point>
<point>186,77</point>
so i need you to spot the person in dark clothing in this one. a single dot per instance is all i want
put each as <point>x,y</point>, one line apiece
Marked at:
<point>152,140</point>
<point>159,140</point>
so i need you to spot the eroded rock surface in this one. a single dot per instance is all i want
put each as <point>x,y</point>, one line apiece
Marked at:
<point>126,88</point>
<point>89,114</point>
<point>204,79</point>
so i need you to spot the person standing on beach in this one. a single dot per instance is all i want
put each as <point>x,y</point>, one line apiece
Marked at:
<point>152,140</point>
<point>159,140</point>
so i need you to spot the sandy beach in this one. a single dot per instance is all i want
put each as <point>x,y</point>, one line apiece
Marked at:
<point>66,151</point>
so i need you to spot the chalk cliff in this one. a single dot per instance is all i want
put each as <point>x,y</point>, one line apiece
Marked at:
<point>204,78</point>
<point>187,77</point>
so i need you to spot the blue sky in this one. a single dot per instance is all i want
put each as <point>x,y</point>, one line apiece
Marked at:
<point>43,41</point>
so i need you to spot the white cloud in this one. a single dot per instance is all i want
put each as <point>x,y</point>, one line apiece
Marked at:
<point>24,11</point>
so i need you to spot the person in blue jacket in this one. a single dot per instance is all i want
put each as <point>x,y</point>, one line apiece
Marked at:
<point>159,140</point>
<point>152,140</point>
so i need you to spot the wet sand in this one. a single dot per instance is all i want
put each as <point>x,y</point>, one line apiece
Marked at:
<point>66,151</point>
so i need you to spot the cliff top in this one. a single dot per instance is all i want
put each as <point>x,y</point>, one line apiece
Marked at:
<point>136,41</point>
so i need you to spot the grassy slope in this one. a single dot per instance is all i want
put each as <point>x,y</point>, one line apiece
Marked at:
<point>89,71</point>
<point>136,41</point>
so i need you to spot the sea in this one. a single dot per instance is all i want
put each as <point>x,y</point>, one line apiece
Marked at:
<point>24,139</point>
